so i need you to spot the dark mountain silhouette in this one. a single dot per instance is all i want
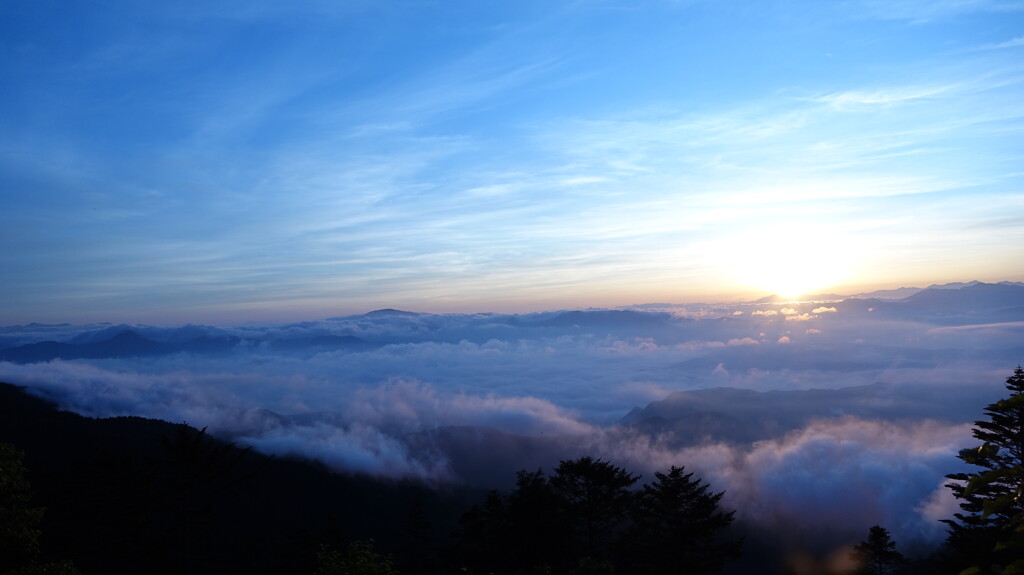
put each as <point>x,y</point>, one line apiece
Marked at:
<point>133,495</point>
<point>390,312</point>
<point>129,343</point>
<point>119,343</point>
<point>123,344</point>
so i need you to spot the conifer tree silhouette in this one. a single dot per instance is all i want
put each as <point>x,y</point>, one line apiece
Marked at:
<point>989,532</point>
<point>878,555</point>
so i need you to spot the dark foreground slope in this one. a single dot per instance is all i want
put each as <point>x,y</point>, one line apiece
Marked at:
<point>133,495</point>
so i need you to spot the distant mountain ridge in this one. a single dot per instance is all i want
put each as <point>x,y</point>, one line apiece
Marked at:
<point>385,312</point>
<point>129,343</point>
<point>964,303</point>
<point>905,292</point>
<point>974,303</point>
<point>124,344</point>
<point>976,295</point>
<point>884,294</point>
<point>946,304</point>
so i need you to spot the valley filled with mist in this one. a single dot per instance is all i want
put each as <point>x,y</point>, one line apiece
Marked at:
<point>816,418</point>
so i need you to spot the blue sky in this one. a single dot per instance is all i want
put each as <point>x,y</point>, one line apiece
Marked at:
<point>234,161</point>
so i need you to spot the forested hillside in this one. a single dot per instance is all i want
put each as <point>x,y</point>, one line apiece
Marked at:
<point>134,495</point>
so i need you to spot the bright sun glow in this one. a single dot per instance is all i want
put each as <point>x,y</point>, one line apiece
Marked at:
<point>791,260</point>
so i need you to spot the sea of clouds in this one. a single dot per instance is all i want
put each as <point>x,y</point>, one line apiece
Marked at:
<point>471,398</point>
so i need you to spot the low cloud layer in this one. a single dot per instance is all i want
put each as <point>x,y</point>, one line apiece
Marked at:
<point>473,398</point>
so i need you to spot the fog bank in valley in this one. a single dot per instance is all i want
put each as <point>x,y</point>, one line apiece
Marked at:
<point>827,416</point>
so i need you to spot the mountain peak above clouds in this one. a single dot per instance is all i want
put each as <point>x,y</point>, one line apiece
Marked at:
<point>377,313</point>
<point>125,343</point>
<point>391,312</point>
<point>954,285</point>
<point>972,303</point>
<point>905,292</point>
<point>975,295</point>
<point>888,294</point>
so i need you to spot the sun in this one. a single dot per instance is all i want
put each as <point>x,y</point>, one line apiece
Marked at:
<point>789,261</point>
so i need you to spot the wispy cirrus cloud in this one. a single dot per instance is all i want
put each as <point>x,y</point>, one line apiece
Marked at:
<point>1014,43</point>
<point>900,95</point>
<point>371,158</point>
